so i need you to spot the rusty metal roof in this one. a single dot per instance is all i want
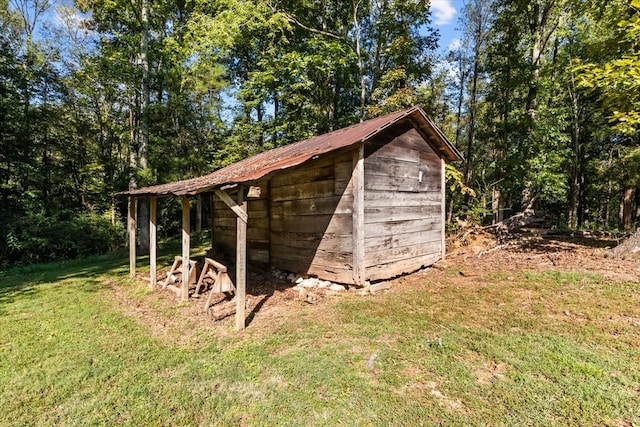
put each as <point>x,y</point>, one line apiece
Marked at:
<point>262,164</point>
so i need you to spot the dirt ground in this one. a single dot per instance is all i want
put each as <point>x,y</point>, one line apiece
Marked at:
<point>544,250</point>
<point>271,299</point>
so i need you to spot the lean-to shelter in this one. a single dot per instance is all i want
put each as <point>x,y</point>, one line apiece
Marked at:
<point>366,202</point>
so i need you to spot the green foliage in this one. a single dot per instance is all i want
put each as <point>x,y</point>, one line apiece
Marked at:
<point>454,179</point>
<point>553,111</point>
<point>617,80</point>
<point>38,238</point>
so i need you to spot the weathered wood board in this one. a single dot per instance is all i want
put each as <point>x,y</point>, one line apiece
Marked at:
<point>225,226</point>
<point>305,217</point>
<point>311,218</point>
<point>403,205</point>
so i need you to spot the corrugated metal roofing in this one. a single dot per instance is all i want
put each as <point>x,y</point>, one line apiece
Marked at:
<point>262,164</point>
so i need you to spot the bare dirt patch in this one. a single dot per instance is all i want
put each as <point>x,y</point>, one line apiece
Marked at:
<point>272,299</point>
<point>544,251</point>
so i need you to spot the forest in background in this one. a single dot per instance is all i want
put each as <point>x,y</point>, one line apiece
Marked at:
<point>98,96</point>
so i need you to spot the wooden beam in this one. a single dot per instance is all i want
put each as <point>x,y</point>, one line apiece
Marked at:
<point>186,240</point>
<point>153,241</point>
<point>213,219</point>
<point>241,260</point>
<point>443,207</point>
<point>131,222</point>
<point>359,275</point>
<point>240,212</point>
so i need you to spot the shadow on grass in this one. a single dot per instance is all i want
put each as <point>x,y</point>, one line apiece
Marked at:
<point>22,282</point>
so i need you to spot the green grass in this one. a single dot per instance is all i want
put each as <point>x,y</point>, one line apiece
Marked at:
<point>528,348</point>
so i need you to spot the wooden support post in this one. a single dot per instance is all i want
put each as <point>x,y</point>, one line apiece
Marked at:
<point>241,260</point>
<point>443,204</point>
<point>153,241</point>
<point>132,236</point>
<point>213,219</point>
<point>359,274</point>
<point>186,228</point>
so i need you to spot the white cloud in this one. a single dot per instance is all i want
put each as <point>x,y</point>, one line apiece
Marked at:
<point>455,44</point>
<point>443,11</point>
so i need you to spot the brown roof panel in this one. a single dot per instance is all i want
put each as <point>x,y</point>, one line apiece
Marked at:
<point>287,156</point>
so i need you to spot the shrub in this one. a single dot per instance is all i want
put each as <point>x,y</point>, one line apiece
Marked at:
<point>67,234</point>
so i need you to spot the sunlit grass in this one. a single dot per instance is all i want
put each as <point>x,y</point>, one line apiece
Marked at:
<point>517,348</point>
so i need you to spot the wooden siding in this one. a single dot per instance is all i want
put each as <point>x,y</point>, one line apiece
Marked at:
<point>304,219</point>
<point>311,218</point>
<point>403,199</point>
<point>224,222</point>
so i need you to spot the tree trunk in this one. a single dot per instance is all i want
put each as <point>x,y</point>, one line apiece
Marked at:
<point>463,75</point>
<point>143,222</point>
<point>363,85</point>
<point>636,213</point>
<point>627,208</point>
<point>496,204</point>
<point>144,121</point>
<point>574,187</point>
<point>472,119</point>
<point>199,213</point>
<point>503,229</point>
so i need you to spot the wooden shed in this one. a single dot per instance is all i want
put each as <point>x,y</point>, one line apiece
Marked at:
<point>366,202</point>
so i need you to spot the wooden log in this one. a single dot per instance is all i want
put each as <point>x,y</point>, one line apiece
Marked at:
<point>382,286</point>
<point>176,290</point>
<point>226,309</point>
<point>504,229</point>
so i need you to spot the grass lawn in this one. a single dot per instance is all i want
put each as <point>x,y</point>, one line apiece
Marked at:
<point>533,347</point>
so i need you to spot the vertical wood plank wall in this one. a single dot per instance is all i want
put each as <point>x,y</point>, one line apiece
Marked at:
<point>403,205</point>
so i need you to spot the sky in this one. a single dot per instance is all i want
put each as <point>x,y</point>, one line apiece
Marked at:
<point>445,14</point>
